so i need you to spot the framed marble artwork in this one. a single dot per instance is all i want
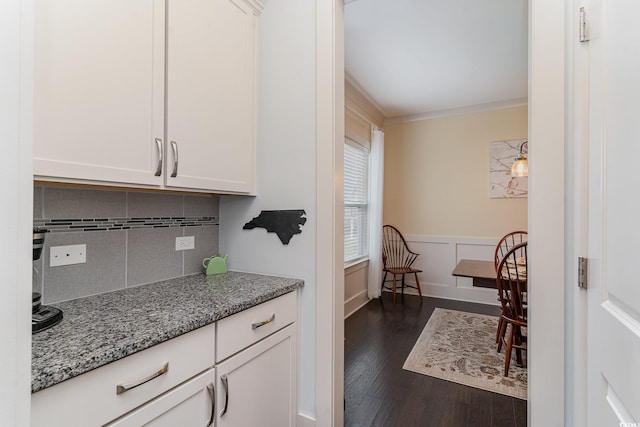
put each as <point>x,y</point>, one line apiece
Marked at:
<point>501,156</point>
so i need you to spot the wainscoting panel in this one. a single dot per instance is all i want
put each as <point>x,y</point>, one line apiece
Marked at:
<point>439,256</point>
<point>355,287</point>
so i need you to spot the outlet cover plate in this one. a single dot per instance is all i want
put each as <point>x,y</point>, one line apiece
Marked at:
<point>185,243</point>
<point>67,255</point>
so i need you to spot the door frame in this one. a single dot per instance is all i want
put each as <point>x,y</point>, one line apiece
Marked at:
<point>577,205</point>
<point>548,175</point>
<point>330,213</point>
<point>550,391</point>
<point>16,218</point>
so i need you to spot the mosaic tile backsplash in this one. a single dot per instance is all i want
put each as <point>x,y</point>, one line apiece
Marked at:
<point>109,224</point>
<point>130,238</point>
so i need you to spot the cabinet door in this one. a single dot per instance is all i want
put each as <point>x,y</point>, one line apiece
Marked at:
<point>99,90</point>
<point>210,95</point>
<point>190,404</point>
<point>257,387</point>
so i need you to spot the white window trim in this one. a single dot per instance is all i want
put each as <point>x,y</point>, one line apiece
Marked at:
<point>367,149</point>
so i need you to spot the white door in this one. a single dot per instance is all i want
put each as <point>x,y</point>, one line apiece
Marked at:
<point>614,211</point>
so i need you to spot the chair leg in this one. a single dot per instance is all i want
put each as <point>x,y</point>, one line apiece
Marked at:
<point>418,285</point>
<point>403,286</point>
<point>383,280</point>
<point>507,352</point>
<point>518,341</point>
<point>502,328</point>
<point>394,288</point>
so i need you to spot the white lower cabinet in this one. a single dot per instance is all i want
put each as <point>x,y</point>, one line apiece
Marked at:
<point>190,404</point>
<point>105,394</point>
<point>257,387</point>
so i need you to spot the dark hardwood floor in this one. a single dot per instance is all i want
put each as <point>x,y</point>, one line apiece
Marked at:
<point>378,392</point>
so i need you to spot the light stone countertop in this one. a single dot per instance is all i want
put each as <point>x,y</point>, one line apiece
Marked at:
<point>103,328</point>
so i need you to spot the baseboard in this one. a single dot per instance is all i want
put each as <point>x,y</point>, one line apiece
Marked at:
<point>493,300</point>
<point>306,420</point>
<point>358,307</point>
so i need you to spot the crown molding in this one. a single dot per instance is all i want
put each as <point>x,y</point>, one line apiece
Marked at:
<point>364,93</point>
<point>256,5</point>
<point>478,108</point>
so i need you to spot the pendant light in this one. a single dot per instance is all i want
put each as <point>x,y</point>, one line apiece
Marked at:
<point>520,166</point>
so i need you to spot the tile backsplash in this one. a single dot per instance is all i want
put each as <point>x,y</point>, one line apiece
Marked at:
<point>130,238</point>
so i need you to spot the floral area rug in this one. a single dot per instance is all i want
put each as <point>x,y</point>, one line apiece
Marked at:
<point>460,347</point>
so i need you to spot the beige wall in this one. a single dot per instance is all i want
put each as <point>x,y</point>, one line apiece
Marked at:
<point>436,175</point>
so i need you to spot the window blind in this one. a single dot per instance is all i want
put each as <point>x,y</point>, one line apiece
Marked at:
<point>356,201</point>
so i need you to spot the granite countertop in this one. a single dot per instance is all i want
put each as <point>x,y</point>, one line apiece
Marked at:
<point>100,329</point>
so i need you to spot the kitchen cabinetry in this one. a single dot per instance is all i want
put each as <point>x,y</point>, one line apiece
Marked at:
<point>99,90</point>
<point>190,404</point>
<point>258,352</point>
<point>211,94</point>
<point>106,112</point>
<point>272,399</point>
<point>106,393</point>
<point>239,371</point>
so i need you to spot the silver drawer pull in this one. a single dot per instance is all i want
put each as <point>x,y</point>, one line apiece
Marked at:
<point>159,166</point>
<point>174,147</point>
<point>225,384</point>
<point>212,395</point>
<point>264,322</point>
<point>126,387</point>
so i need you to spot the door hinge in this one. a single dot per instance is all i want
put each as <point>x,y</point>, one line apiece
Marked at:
<point>582,273</point>
<point>584,36</point>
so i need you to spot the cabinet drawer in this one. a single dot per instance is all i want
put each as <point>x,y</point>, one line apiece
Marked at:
<point>93,399</point>
<point>249,326</point>
<point>189,404</point>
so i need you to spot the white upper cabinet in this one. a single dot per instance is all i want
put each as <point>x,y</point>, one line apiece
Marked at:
<point>99,90</point>
<point>106,112</point>
<point>211,94</point>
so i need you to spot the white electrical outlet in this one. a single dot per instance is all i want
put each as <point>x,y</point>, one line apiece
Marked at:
<point>184,243</point>
<point>67,255</point>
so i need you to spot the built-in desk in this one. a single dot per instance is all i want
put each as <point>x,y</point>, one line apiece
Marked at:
<point>483,273</point>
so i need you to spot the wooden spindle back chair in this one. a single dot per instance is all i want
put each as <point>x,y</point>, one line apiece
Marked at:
<point>511,280</point>
<point>398,259</point>
<point>507,242</point>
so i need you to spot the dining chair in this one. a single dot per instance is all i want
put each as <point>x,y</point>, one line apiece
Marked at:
<point>507,242</point>
<point>397,259</point>
<point>511,280</point>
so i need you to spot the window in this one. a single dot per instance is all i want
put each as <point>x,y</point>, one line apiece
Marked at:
<point>356,202</point>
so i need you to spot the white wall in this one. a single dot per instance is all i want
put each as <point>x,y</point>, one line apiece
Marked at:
<point>16,210</point>
<point>286,169</point>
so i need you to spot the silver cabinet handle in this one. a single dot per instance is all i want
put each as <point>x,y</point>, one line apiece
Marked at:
<point>159,167</point>
<point>212,395</point>
<point>264,322</point>
<point>174,147</point>
<point>128,386</point>
<point>225,383</point>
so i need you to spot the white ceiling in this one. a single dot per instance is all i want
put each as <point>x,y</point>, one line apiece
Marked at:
<point>420,57</point>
